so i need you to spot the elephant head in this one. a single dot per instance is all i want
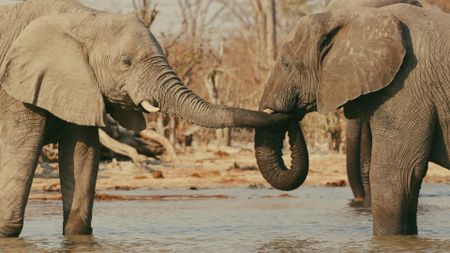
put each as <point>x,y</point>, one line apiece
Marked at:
<point>330,60</point>
<point>79,66</point>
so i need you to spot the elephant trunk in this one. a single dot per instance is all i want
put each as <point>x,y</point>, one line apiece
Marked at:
<point>268,149</point>
<point>174,98</point>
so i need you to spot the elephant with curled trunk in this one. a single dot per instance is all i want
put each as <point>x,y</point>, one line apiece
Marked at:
<point>63,67</point>
<point>359,139</point>
<point>386,65</point>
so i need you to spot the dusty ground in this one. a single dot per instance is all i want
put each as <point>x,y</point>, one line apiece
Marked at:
<point>233,167</point>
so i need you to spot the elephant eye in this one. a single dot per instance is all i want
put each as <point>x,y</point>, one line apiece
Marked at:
<point>126,60</point>
<point>286,65</point>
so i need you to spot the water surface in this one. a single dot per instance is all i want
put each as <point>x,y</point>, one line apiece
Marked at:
<point>250,220</point>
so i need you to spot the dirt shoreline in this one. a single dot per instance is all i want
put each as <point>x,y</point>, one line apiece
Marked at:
<point>207,170</point>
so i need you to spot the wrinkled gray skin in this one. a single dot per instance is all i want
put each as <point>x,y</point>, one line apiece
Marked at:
<point>389,65</point>
<point>358,141</point>
<point>358,148</point>
<point>63,67</point>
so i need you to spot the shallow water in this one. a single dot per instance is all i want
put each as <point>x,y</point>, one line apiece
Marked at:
<point>251,220</point>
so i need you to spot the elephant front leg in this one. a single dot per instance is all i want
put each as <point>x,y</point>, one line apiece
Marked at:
<point>398,165</point>
<point>21,139</point>
<point>79,154</point>
<point>395,194</point>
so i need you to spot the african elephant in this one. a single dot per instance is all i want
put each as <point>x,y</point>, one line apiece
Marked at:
<point>63,67</point>
<point>387,65</point>
<point>358,141</point>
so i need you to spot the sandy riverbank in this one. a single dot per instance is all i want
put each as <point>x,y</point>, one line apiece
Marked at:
<point>213,169</point>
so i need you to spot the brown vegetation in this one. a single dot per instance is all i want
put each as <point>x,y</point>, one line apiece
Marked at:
<point>442,4</point>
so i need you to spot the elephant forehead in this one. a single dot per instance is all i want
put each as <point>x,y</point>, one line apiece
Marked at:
<point>130,35</point>
<point>142,47</point>
<point>118,24</point>
<point>314,24</point>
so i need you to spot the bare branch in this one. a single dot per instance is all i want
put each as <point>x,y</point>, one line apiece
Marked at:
<point>154,136</point>
<point>146,13</point>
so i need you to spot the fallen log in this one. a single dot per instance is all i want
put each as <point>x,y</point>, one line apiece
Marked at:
<point>150,135</point>
<point>118,140</point>
<point>120,148</point>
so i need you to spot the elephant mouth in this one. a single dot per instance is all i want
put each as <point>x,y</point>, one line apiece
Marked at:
<point>296,114</point>
<point>122,106</point>
<point>115,100</point>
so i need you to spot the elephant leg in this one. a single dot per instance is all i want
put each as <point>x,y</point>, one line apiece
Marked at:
<point>79,155</point>
<point>353,144</point>
<point>394,201</point>
<point>22,136</point>
<point>398,165</point>
<point>365,156</point>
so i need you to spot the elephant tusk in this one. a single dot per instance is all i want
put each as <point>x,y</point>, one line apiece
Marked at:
<point>149,107</point>
<point>269,111</point>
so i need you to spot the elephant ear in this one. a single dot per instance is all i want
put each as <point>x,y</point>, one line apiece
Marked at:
<point>132,120</point>
<point>361,55</point>
<point>47,67</point>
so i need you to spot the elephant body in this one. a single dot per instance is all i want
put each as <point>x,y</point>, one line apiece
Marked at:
<point>389,65</point>
<point>63,68</point>
<point>25,128</point>
<point>358,140</point>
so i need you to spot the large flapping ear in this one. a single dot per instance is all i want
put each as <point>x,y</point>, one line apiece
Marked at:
<point>47,67</point>
<point>361,54</point>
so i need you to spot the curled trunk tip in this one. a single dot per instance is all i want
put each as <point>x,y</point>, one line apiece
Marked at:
<point>268,150</point>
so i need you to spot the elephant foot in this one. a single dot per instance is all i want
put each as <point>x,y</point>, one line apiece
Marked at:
<point>77,229</point>
<point>360,202</point>
<point>359,199</point>
<point>395,229</point>
<point>11,228</point>
<point>77,223</point>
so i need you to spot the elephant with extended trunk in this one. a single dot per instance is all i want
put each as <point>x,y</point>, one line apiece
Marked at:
<point>63,67</point>
<point>359,139</point>
<point>388,65</point>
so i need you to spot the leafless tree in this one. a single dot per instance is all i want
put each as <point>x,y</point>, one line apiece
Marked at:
<point>266,24</point>
<point>197,17</point>
<point>145,11</point>
<point>442,4</point>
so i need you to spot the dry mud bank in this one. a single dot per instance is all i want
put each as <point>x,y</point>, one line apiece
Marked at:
<point>205,170</point>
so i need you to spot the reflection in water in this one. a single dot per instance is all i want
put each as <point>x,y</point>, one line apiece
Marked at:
<point>16,245</point>
<point>313,219</point>
<point>291,245</point>
<point>80,243</point>
<point>371,244</point>
<point>409,244</point>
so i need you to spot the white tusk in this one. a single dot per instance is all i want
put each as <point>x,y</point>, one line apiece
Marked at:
<point>269,111</point>
<point>149,107</point>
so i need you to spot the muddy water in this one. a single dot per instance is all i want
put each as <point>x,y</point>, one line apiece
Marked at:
<point>309,219</point>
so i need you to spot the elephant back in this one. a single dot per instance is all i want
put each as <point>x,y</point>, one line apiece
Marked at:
<point>15,18</point>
